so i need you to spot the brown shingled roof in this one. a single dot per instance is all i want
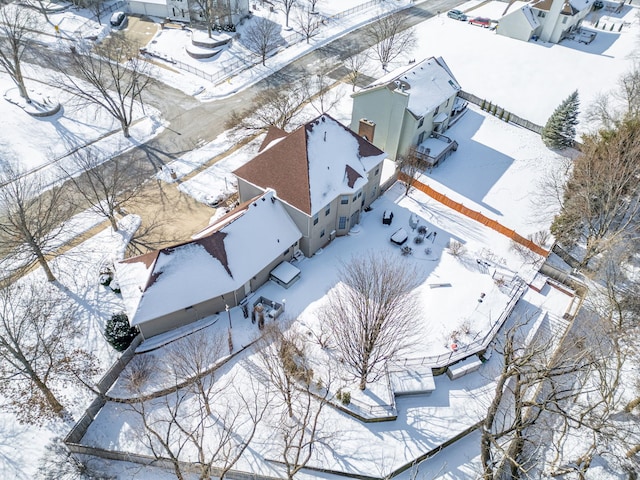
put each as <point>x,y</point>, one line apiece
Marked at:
<point>284,166</point>
<point>273,133</point>
<point>352,176</point>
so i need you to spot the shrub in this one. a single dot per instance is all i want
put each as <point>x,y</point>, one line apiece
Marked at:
<point>344,397</point>
<point>137,372</point>
<point>482,105</point>
<point>456,248</point>
<point>118,332</point>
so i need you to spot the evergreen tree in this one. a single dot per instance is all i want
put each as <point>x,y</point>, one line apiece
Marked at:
<point>560,130</point>
<point>118,332</point>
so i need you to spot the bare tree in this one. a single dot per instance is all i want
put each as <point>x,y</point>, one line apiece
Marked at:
<point>178,422</point>
<point>313,4</point>
<point>623,103</point>
<point>106,186</point>
<point>194,357</point>
<point>273,107</point>
<point>262,36</point>
<point>390,36</point>
<point>410,165</point>
<point>287,369</point>
<point>283,358</point>
<point>601,203</point>
<point>214,13</point>
<point>58,463</point>
<point>97,7</point>
<point>372,312</point>
<point>30,221</point>
<point>308,23</point>
<point>113,78</point>
<point>322,96</point>
<point>17,25</point>
<point>286,5</point>
<point>537,376</point>
<point>37,356</point>
<point>355,63</point>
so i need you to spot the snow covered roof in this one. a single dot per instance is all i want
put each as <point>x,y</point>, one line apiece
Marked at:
<point>569,7</point>
<point>222,258</point>
<point>428,83</point>
<point>314,164</point>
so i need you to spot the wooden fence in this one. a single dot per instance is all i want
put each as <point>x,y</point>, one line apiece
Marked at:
<point>477,216</point>
<point>513,118</point>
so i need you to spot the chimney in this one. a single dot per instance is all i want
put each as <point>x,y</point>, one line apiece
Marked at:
<point>366,129</point>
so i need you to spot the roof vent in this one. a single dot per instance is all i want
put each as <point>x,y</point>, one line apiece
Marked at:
<point>325,136</point>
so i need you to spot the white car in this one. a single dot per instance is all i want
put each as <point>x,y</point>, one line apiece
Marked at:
<point>118,19</point>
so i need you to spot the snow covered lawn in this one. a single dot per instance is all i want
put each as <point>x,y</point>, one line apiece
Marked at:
<point>423,422</point>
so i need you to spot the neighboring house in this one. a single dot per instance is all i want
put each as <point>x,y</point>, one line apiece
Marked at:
<point>404,108</point>
<point>547,20</point>
<point>324,174</point>
<point>177,285</point>
<point>231,11</point>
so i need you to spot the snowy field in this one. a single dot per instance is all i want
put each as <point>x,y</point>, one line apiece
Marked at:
<point>454,406</point>
<point>496,171</point>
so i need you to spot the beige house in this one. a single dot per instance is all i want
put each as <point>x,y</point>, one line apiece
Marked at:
<point>324,174</point>
<point>546,20</point>
<point>408,106</point>
<point>231,11</point>
<point>223,264</point>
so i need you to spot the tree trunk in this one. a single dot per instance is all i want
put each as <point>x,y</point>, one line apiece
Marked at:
<point>53,402</point>
<point>114,222</point>
<point>43,263</point>
<point>125,129</point>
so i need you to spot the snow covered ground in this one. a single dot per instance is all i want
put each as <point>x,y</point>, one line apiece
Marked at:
<point>487,65</point>
<point>453,407</point>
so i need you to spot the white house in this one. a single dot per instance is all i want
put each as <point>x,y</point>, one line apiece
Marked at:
<point>177,285</point>
<point>324,174</point>
<point>230,11</point>
<point>547,20</point>
<point>405,107</point>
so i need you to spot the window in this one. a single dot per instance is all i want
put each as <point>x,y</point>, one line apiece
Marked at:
<point>322,233</point>
<point>373,192</point>
<point>359,193</point>
<point>344,199</point>
<point>541,14</point>
<point>435,112</point>
<point>377,171</point>
<point>315,219</point>
<point>421,122</point>
<point>284,253</point>
<point>342,224</point>
<point>564,19</point>
<point>327,210</point>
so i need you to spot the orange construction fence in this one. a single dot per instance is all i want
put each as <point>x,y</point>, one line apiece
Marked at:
<point>477,216</point>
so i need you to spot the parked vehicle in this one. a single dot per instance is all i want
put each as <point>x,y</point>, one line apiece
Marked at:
<point>457,15</point>
<point>118,19</point>
<point>481,22</point>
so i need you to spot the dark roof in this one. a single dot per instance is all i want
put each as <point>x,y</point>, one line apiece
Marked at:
<point>273,133</point>
<point>284,166</point>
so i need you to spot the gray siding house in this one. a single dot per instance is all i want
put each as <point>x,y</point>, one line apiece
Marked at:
<point>168,288</point>
<point>324,174</point>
